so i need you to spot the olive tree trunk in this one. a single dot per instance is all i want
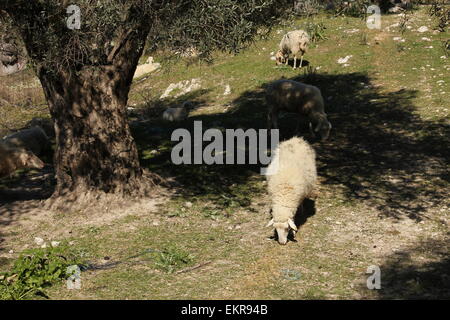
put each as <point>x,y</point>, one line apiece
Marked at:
<point>94,146</point>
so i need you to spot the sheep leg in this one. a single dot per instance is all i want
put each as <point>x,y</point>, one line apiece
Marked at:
<point>301,61</point>
<point>295,62</point>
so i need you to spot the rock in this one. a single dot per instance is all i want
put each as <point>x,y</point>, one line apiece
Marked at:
<point>344,60</point>
<point>422,29</point>
<point>39,241</point>
<point>147,67</point>
<point>398,39</point>
<point>55,244</point>
<point>11,251</point>
<point>227,90</point>
<point>183,87</point>
<point>396,9</point>
<point>188,204</point>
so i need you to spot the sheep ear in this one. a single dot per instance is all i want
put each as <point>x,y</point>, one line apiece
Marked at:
<point>292,224</point>
<point>270,223</point>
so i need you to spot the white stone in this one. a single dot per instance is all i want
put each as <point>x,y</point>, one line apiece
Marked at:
<point>422,29</point>
<point>39,241</point>
<point>184,87</point>
<point>227,90</point>
<point>55,243</point>
<point>344,60</point>
<point>148,67</point>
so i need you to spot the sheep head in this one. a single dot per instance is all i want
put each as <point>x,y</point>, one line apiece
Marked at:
<point>280,58</point>
<point>283,229</point>
<point>28,159</point>
<point>322,127</point>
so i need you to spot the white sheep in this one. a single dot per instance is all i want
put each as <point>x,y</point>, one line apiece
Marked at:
<point>178,113</point>
<point>293,43</point>
<point>12,159</point>
<point>293,177</point>
<point>33,139</point>
<point>301,98</point>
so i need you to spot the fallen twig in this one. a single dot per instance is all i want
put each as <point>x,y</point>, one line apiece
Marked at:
<point>194,267</point>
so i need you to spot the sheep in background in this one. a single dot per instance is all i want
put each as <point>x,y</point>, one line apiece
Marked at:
<point>12,159</point>
<point>45,123</point>
<point>179,113</point>
<point>33,139</point>
<point>292,177</point>
<point>293,43</point>
<point>301,98</point>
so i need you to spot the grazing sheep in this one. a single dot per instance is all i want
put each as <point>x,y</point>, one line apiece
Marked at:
<point>12,159</point>
<point>45,123</point>
<point>301,98</point>
<point>294,42</point>
<point>293,178</point>
<point>179,113</point>
<point>33,139</point>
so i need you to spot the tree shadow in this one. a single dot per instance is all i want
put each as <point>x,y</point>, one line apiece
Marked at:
<point>305,63</point>
<point>380,151</point>
<point>421,271</point>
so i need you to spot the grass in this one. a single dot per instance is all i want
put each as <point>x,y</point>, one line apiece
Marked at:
<point>384,180</point>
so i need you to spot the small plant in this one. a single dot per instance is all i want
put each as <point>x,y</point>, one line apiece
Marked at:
<point>316,31</point>
<point>403,23</point>
<point>35,270</point>
<point>172,258</point>
<point>309,74</point>
<point>357,8</point>
<point>400,47</point>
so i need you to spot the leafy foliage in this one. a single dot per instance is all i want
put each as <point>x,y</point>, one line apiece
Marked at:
<point>441,11</point>
<point>227,25</point>
<point>35,270</point>
<point>172,258</point>
<point>316,31</point>
<point>307,7</point>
